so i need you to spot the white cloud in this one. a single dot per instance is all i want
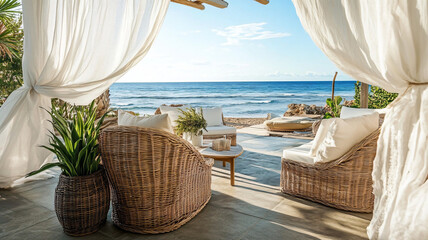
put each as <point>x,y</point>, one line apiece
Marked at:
<point>309,75</point>
<point>251,31</point>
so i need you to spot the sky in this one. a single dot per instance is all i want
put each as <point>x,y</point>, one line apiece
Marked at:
<point>246,41</point>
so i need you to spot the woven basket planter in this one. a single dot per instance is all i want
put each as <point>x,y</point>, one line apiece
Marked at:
<point>82,203</point>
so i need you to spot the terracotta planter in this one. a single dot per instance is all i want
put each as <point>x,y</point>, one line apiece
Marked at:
<point>82,203</point>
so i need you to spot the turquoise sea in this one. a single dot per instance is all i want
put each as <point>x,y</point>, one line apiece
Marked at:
<point>238,99</point>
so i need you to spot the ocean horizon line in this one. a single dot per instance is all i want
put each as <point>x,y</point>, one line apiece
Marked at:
<point>238,81</point>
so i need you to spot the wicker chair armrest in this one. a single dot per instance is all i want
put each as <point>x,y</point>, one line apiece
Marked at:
<point>209,161</point>
<point>316,126</point>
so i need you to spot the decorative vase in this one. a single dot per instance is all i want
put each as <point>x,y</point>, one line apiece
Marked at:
<point>197,140</point>
<point>187,136</point>
<point>82,202</point>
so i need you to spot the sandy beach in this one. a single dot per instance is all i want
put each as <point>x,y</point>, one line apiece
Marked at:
<point>243,122</point>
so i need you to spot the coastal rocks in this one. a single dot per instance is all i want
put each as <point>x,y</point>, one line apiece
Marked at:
<point>303,109</point>
<point>348,103</point>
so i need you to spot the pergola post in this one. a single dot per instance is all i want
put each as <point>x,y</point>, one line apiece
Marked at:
<point>364,95</point>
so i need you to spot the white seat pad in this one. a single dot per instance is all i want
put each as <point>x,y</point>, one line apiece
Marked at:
<point>218,130</point>
<point>300,153</point>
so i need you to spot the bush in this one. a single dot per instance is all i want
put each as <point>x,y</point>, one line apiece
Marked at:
<point>378,97</point>
<point>11,67</point>
<point>334,106</point>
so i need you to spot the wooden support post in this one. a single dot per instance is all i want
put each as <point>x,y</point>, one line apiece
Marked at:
<point>332,86</point>
<point>364,95</point>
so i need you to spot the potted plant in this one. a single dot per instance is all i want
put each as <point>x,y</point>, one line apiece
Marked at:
<point>82,197</point>
<point>190,124</point>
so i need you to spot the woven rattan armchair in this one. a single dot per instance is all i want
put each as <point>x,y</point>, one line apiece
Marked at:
<point>345,183</point>
<point>158,180</point>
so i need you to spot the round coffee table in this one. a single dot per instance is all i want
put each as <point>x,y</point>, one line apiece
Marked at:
<point>224,156</point>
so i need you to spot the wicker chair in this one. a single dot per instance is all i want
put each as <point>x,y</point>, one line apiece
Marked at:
<point>158,181</point>
<point>345,183</point>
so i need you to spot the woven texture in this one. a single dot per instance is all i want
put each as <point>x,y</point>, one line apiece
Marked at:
<point>82,203</point>
<point>345,183</point>
<point>159,181</point>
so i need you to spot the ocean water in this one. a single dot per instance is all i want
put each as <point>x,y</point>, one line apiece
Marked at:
<point>238,99</point>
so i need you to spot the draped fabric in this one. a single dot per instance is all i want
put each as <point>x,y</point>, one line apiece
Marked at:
<point>73,50</point>
<point>385,43</point>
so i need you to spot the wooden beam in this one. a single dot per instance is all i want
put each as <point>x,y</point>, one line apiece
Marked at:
<point>216,3</point>
<point>364,95</point>
<point>263,1</point>
<point>194,4</point>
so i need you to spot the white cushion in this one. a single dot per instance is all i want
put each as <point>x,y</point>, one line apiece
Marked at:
<point>300,154</point>
<point>213,116</point>
<point>320,136</point>
<point>348,112</point>
<point>173,112</point>
<point>161,121</point>
<point>343,134</point>
<point>219,130</point>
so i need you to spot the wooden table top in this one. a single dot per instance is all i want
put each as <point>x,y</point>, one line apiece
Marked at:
<point>235,151</point>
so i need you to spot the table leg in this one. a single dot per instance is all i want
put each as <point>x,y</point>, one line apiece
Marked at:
<point>224,163</point>
<point>232,172</point>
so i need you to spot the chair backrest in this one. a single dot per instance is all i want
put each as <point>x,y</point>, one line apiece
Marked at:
<point>145,164</point>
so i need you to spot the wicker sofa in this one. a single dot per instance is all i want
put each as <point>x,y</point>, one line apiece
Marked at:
<point>344,183</point>
<point>158,181</point>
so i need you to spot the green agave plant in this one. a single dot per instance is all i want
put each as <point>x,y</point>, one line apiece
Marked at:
<point>190,121</point>
<point>77,149</point>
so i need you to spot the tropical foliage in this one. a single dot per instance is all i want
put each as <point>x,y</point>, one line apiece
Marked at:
<point>77,149</point>
<point>190,121</point>
<point>378,97</point>
<point>11,44</point>
<point>334,106</point>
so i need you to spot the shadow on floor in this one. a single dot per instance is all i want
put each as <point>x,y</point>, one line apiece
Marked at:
<point>253,209</point>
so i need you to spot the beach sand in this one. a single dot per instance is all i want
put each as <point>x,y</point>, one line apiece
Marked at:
<point>243,122</point>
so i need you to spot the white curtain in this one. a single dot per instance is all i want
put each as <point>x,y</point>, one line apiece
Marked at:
<point>73,50</point>
<point>385,43</point>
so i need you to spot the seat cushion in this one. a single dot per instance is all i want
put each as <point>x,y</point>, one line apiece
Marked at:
<point>343,134</point>
<point>160,122</point>
<point>213,116</point>
<point>173,112</point>
<point>348,112</point>
<point>300,153</point>
<point>219,130</point>
<point>289,123</point>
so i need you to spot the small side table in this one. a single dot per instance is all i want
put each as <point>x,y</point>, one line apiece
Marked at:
<point>224,156</point>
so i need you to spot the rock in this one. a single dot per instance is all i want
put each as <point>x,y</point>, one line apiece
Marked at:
<point>304,109</point>
<point>349,103</point>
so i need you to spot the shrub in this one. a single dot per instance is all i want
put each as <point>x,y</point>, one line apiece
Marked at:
<point>378,97</point>
<point>334,106</point>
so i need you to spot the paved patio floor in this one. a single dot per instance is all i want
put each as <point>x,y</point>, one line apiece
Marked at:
<point>252,209</point>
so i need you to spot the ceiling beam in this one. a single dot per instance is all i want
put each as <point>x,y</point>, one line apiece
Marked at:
<point>263,1</point>
<point>216,3</point>
<point>194,4</point>
<point>198,4</point>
